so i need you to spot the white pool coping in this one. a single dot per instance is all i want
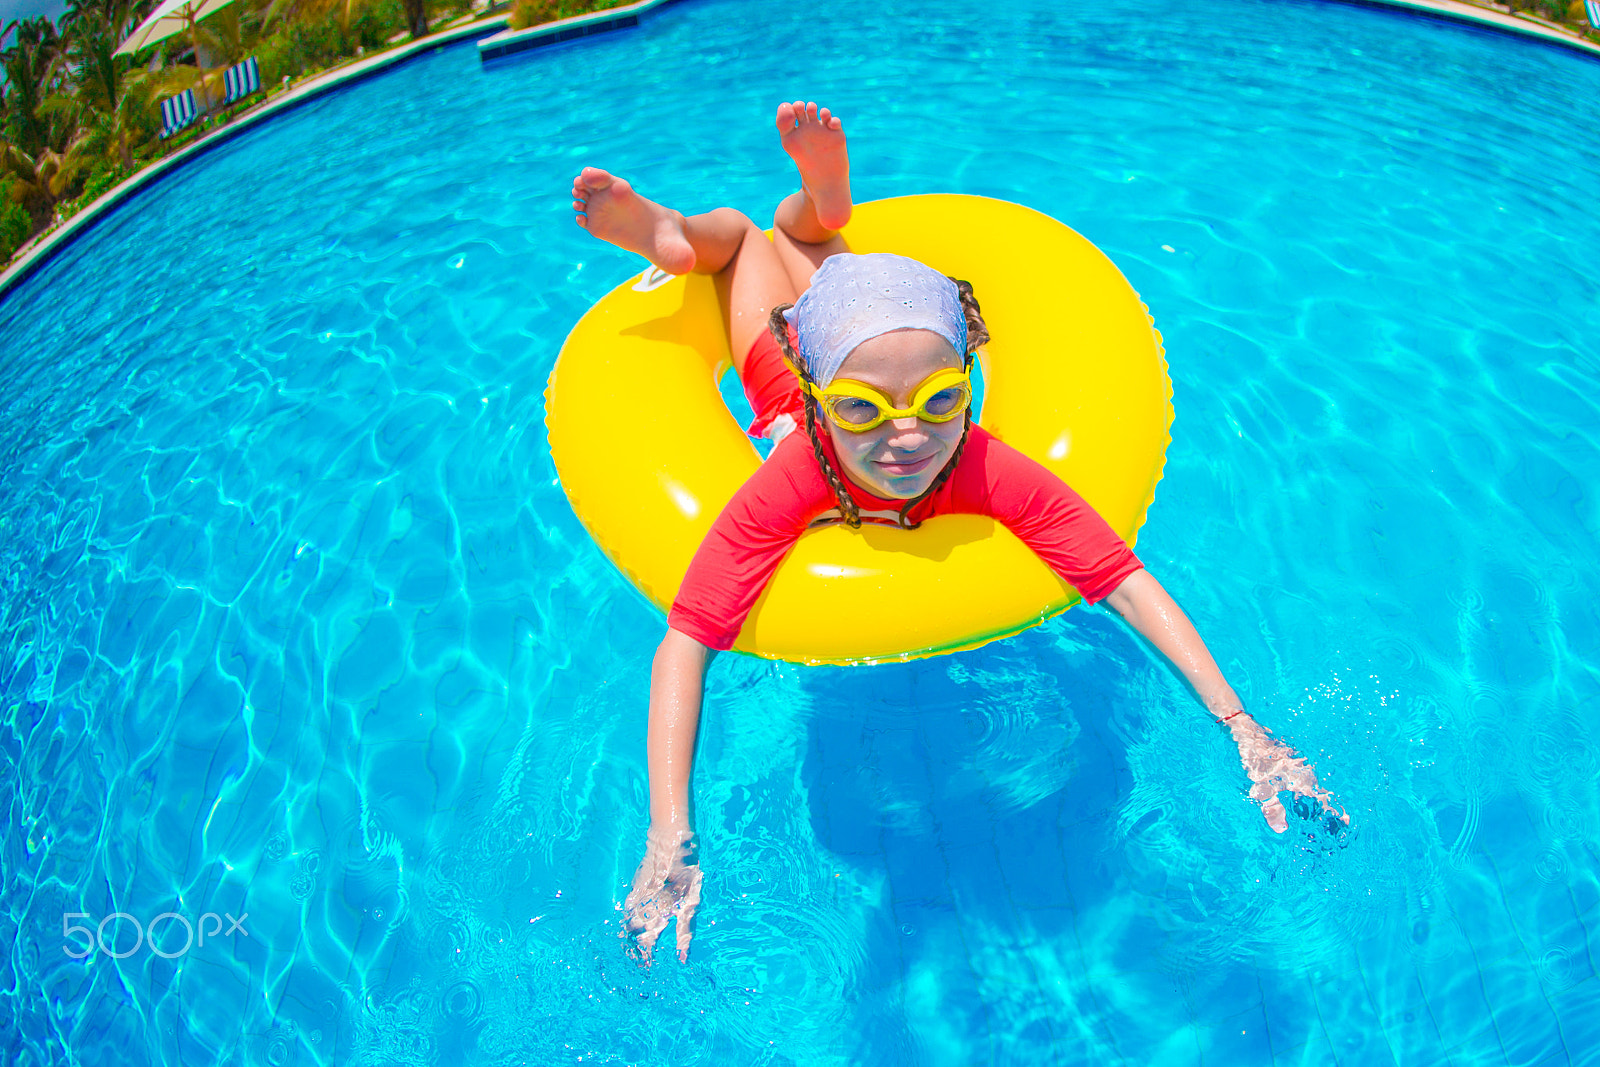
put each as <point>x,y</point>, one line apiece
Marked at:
<point>45,244</point>
<point>509,42</point>
<point>1524,25</point>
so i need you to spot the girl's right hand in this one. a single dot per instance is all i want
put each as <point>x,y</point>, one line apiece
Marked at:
<point>667,883</point>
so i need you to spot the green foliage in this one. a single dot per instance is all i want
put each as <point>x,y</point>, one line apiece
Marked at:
<point>376,22</point>
<point>105,175</point>
<point>312,42</point>
<point>101,179</point>
<point>442,11</point>
<point>525,13</point>
<point>14,223</point>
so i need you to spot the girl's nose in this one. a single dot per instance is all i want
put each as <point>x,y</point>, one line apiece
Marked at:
<point>908,429</point>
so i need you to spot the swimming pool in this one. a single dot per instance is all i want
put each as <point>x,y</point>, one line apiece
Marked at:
<point>299,628</point>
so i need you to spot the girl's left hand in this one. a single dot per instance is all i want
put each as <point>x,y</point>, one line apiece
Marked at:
<point>1273,766</point>
<point>667,884</point>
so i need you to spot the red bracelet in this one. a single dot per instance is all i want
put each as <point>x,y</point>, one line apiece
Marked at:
<point>1227,717</point>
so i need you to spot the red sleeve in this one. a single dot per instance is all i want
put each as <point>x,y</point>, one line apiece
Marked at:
<point>1044,512</point>
<point>747,542</point>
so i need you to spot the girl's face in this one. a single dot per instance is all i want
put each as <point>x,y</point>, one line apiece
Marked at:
<point>900,458</point>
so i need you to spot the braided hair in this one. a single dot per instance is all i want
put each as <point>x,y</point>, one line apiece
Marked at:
<point>977,337</point>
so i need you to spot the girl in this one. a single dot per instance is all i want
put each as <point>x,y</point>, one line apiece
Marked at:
<point>875,428</point>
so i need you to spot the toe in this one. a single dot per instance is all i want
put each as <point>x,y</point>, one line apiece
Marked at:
<point>785,116</point>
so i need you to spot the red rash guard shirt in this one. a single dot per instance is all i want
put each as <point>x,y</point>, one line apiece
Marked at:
<point>780,500</point>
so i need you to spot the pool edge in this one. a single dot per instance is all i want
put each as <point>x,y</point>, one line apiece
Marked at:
<point>1458,11</point>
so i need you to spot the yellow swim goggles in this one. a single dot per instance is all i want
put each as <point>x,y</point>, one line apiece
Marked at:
<point>859,407</point>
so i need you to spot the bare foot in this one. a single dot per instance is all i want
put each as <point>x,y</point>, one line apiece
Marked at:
<point>815,141</point>
<point>608,207</point>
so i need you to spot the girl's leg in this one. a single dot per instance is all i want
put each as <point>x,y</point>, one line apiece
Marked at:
<point>750,284</point>
<point>749,275</point>
<point>805,227</point>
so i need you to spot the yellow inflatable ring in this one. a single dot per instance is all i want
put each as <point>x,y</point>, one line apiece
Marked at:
<point>1075,377</point>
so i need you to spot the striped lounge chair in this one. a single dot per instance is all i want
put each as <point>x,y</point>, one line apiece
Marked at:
<point>242,80</point>
<point>1593,8</point>
<point>177,112</point>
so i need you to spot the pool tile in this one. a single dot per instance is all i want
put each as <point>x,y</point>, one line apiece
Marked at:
<point>1286,1017</point>
<point>1430,1053</point>
<point>843,827</point>
<point>973,827</point>
<point>1524,1022</point>
<point>1459,1009</point>
<point>1035,871</point>
<point>1585,885</point>
<point>1315,1051</point>
<point>1578,1010</point>
<point>1225,994</point>
<point>1332,1007</point>
<point>1564,956</point>
<point>1411,1029</point>
<point>1240,1038</point>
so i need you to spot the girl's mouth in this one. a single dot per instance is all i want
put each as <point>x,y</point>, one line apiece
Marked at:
<point>901,470</point>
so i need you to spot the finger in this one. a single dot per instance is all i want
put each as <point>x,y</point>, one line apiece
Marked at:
<point>646,940</point>
<point>635,947</point>
<point>685,933</point>
<point>643,910</point>
<point>1276,817</point>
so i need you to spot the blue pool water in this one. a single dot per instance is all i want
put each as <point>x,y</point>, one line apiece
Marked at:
<point>297,625</point>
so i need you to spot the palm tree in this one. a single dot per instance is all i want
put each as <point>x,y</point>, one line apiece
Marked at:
<point>417,17</point>
<point>36,181</point>
<point>35,137</point>
<point>224,35</point>
<point>33,66</point>
<point>279,9</point>
<point>114,104</point>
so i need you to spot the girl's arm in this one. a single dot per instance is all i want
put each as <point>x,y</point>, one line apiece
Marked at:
<point>677,685</point>
<point>667,882</point>
<point>1271,765</point>
<point>1150,609</point>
